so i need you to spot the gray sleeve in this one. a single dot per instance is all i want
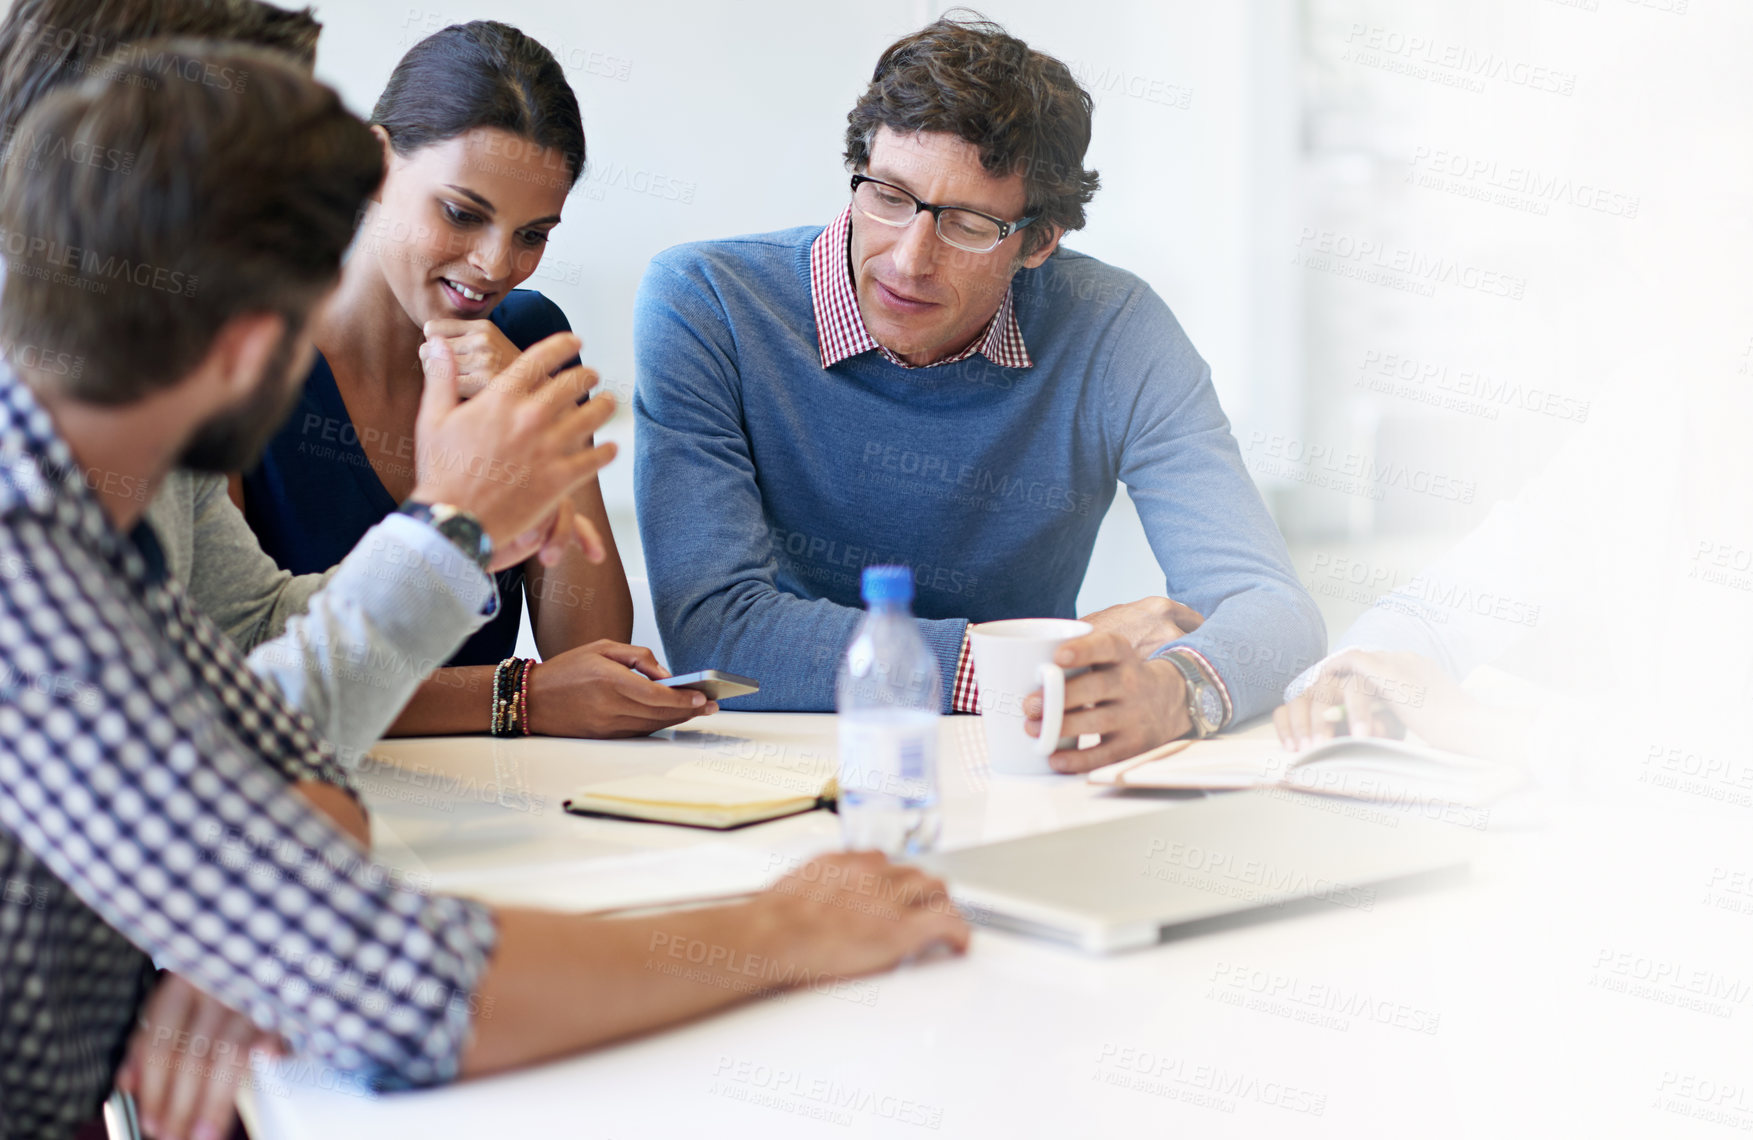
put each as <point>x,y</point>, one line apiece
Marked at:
<point>392,612</point>
<point>230,577</point>
<point>348,647</point>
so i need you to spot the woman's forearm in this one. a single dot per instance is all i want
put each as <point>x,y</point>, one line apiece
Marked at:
<point>451,702</point>
<point>576,602</point>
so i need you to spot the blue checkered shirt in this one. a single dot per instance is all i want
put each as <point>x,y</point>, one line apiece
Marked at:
<point>146,809</point>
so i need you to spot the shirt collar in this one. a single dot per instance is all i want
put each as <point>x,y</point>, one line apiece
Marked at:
<point>39,477</point>
<point>840,329</point>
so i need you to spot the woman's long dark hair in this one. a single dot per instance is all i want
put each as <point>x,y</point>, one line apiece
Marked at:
<point>482,74</point>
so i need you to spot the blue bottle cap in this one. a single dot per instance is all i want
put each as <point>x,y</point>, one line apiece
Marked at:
<point>888,584</point>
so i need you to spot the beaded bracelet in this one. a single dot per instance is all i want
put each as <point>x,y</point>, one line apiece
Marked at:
<point>497,716</point>
<point>515,728</point>
<point>523,697</point>
<point>510,699</point>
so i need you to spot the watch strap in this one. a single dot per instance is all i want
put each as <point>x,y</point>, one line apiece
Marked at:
<point>462,529</point>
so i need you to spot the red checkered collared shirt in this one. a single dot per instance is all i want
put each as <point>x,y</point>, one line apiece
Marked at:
<point>841,334</point>
<point>965,697</point>
<point>840,329</point>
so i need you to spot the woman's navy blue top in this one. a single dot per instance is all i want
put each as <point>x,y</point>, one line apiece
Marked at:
<point>315,494</point>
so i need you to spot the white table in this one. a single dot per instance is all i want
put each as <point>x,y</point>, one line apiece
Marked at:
<point>1548,996</point>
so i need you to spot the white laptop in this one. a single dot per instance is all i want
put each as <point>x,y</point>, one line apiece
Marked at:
<point>1131,882</point>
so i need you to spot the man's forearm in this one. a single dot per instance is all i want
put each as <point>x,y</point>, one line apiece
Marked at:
<point>343,809</point>
<point>559,983</point>
<point>792,645</point>
<point>556,984</point>
<point>1257,641</point>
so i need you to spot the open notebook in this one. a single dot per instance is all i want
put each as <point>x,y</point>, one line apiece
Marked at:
<point>719,792</point>
<point>1367,768</point>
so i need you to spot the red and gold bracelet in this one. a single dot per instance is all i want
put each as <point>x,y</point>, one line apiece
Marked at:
<point>523,697</point>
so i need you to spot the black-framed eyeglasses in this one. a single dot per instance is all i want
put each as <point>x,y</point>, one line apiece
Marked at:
<point>961,227</point>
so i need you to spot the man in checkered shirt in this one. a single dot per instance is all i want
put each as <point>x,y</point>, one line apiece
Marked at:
<point>144,767</point>
<point>148,780</point>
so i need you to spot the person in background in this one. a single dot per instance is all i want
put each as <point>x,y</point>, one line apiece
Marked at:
<point>1593,623</point>
<point>933,379</point>
<point>149,780</point>
<point>483,141</point>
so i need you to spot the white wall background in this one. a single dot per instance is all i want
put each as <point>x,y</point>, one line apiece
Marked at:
<point>1597,152</point>
<point>1227,134</point>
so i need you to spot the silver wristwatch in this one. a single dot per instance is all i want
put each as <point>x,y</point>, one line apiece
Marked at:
<point>463,529</point>
<point>1205,703</point>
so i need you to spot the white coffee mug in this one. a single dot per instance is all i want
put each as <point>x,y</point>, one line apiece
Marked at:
<point>1012,659</point>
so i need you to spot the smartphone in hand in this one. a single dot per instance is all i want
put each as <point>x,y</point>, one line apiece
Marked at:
<point>718,686</point>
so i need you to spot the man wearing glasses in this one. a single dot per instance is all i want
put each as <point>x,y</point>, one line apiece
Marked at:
<point>932,380</point>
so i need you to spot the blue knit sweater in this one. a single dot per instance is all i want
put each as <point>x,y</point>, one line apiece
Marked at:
<point>765,482</point>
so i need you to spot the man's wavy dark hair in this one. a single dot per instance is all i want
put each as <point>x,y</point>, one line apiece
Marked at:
<point>152,203</point>
<point>47,44</point>
<point>966,76</point>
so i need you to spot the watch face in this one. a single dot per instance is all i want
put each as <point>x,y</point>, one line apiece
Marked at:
<point>467,533</point>
<point>463,530</point>
<point>1210,707</point>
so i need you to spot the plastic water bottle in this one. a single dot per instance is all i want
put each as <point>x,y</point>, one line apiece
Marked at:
<point>888,700</point>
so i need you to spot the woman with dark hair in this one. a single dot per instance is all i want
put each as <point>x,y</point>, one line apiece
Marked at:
<point>483,142</point>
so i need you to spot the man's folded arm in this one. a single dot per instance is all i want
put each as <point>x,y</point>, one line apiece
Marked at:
<point>708,547</point>
<point>129,785</point>
<point>1219,549</point>
<point>347,647</point>
<point>401,602</point>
